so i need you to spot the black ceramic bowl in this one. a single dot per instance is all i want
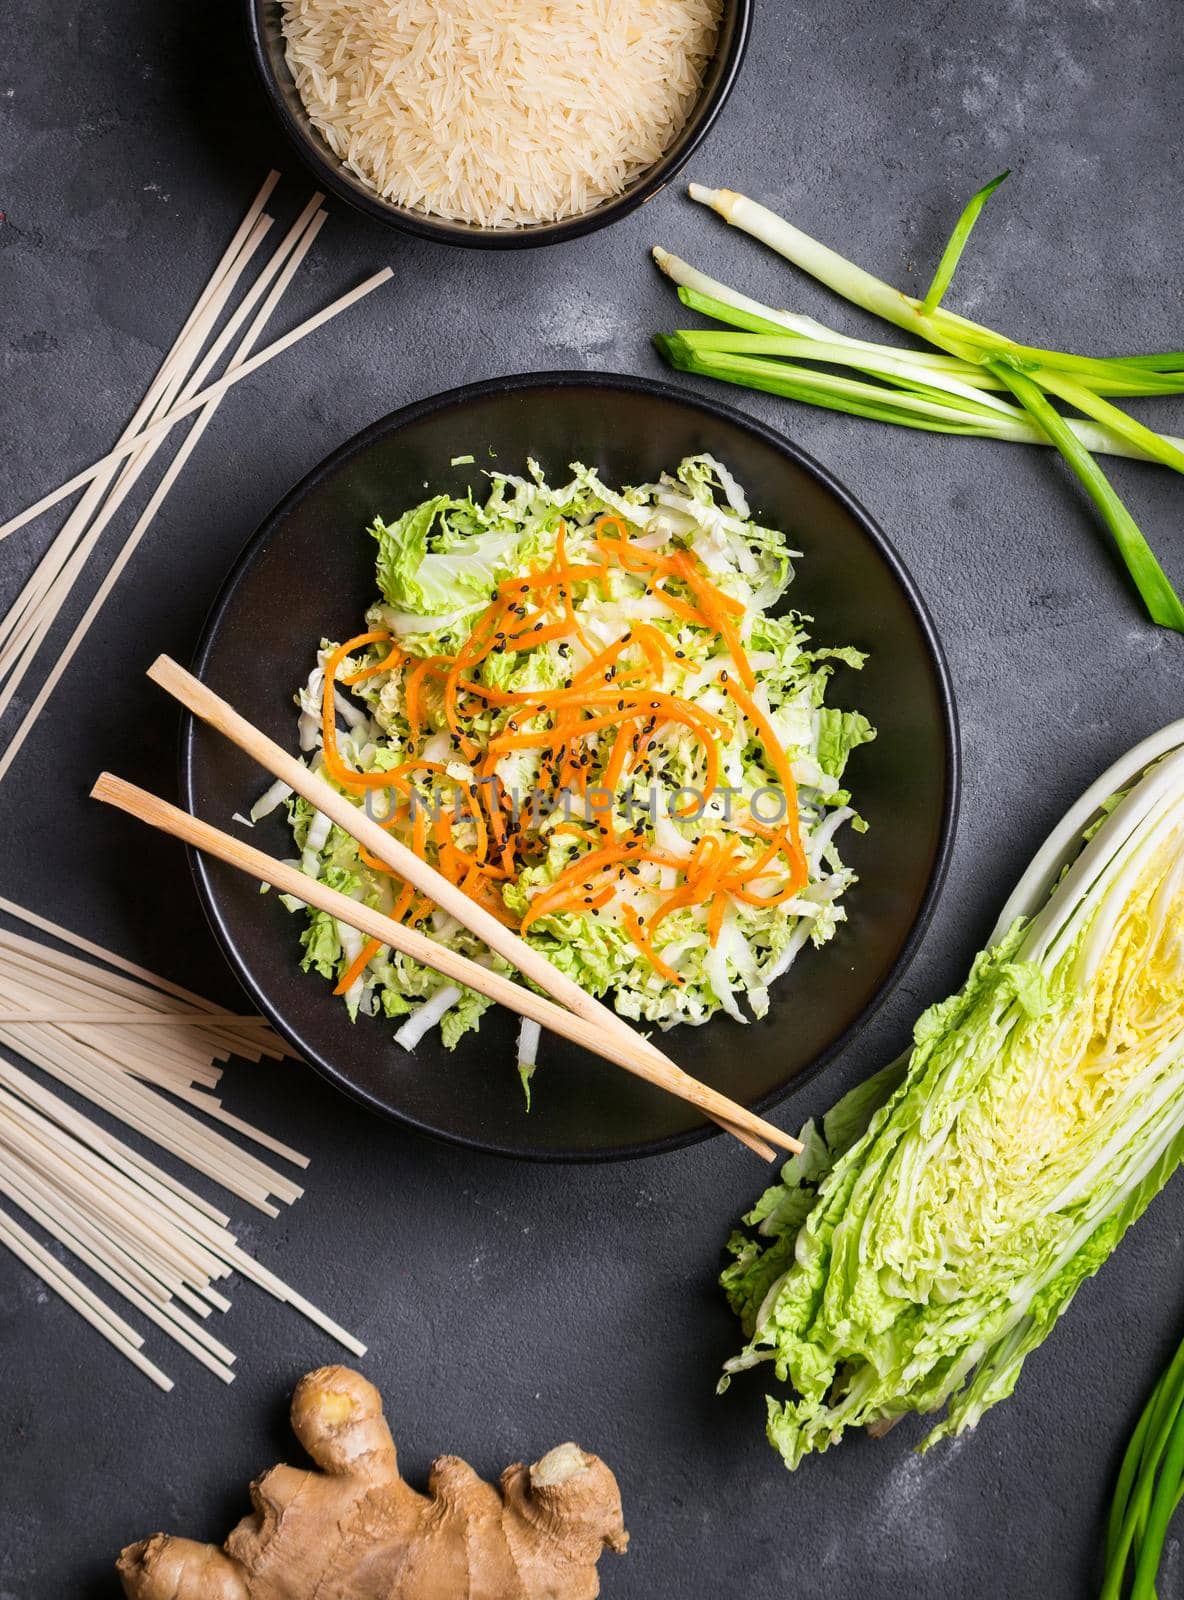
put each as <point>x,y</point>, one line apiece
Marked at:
<point>267,47</point>
<point>309,572</point>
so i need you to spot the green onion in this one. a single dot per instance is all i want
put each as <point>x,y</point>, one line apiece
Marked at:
<point>826,390</point>
<point>1150,1485</point>
<point>1125,375</point>
<point>844,277</point>
<point>1162,602</point>
<point>944,328</point>
<point>1085,399</point>
<point>956,390</point>
<point>953,251</point>
<point>926,367</point>
<point>894,366</point>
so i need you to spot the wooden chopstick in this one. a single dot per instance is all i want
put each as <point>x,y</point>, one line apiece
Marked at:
<point>212,709</point>
<point>279,875</point>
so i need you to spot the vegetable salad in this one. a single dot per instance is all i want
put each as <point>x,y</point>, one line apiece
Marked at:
<point>578,703</point>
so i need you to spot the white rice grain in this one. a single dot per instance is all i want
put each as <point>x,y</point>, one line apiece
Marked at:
<point>499,112</point>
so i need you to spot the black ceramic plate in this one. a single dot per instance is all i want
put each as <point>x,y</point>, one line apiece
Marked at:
<point>309,573</point>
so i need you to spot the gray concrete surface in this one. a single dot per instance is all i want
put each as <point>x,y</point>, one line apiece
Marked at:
<point>509,1307</point>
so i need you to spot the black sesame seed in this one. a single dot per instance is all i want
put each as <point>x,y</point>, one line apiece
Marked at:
<point>723,677</point>
<point>681,655</point>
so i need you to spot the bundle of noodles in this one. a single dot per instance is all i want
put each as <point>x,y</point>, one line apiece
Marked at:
<point>93,1050</point>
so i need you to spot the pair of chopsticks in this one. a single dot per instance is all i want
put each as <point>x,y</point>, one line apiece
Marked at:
<point>577,1016</point>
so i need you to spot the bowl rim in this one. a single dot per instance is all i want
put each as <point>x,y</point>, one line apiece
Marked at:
<point>415,411</point>
<point>316,155</point>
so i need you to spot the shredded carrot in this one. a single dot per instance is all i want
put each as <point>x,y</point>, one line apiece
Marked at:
<point>538,633</point>
<point>578,828</point>
<point>483,633</point>
<point>558,764</point>
<point>708,594</point>
<point>655,644</point>
<point>573,622</point>
<point>601,661</point>
<point>624,549</point>
<point>547,738</point>
<point>552,577</point>
<point>450,861</point>
<point>755,871</point>
<point>781,766</point>
<point>720,610</point>
<point>412,684</point>
<point>585,867</point>
<point>532,701</point>
<point>615,764</point>
<point>707,861</point>
<point>374,863</point>
<point>680,608</point>
<point>420,912</point>
<point>778,842</point>
<point>337,769</point>
<point>578,901</point>
<point>645,945</point>
<point>686,896</point>
<point>737,652</point>
<point>450,697</point>
<point>358,965</point>
<point>398,775</point>
<point>489,790</point>
<point>393,659</point>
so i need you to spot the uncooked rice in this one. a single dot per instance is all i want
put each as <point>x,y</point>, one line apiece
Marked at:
<point>499,112</point>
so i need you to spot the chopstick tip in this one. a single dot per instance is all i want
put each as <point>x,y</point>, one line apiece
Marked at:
<point>160,668</point>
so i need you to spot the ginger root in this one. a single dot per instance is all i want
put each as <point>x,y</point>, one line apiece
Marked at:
<point>355,1531</point>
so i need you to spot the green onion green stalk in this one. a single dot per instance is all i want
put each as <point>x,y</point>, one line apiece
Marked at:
<point>1149,1488</point>
<point>976,382</point>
